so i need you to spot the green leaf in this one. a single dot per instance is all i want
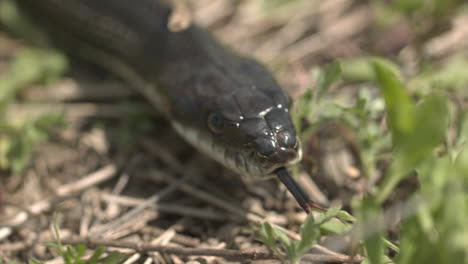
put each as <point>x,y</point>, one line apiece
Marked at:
<point>303,108</point>
<point>370,217</point>
<point>114,258</point>
<point>267,234</point>
<point>451,75</point>
<point>416,130</point>
<point>461,163</point>
<point>96,255</point>
<point>462,135</point>
<point>281,235</point>
<point>399,106</point>
<point>309,235</point>
<point>327,215</point>
<point>390,245</point>
<point>361,69</point>
<point>80,250</point>
<point>331,73</point>
<point>334,227</point>
<point>292,251</point>
<point>345,216</point>
<point>432,119</point>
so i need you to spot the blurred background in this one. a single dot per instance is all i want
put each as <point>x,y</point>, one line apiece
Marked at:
<point>381,96</point>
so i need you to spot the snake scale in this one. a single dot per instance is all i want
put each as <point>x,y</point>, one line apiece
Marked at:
<point>228,106</point>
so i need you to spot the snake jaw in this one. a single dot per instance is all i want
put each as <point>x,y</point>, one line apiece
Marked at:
<point>245,162</point>
<point>283,157</point>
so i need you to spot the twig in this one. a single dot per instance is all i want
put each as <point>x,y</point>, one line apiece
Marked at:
<point>73,112</point>
<point>178,238</point>
<point>133,212</point>
<point>181,17</point>
<point>162,153</point>
<point>240,212</point>
<point>342,29</point>
<point>229,254</point>
<point>67,190</point>
<point>311,188</point>
<point>14,246</point>
<point>166,207</point>
<point>87,181</point>
<point>174,164</point>
<point>71,90</point>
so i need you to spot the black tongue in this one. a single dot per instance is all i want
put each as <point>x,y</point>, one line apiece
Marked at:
<point>301,197</point>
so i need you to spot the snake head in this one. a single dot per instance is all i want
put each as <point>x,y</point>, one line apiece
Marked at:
<point>254,124</point>
<point>238,115</point>
<point>260,143</point>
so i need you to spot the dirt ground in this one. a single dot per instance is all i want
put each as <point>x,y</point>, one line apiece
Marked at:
<point>119,173</point>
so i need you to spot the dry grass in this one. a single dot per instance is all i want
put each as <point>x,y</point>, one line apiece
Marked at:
<point>153,190</point>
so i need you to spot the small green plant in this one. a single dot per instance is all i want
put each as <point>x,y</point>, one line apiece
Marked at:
<point>307,108</point>
<point>6,262</point>
<point>19,136</point>
<point>438,221</point>
<point>418,132</point>
<point>78,254</point>
<point>292,251</point>
<point>18,141</point>
<point>416,142</point>
<point>136,121</point>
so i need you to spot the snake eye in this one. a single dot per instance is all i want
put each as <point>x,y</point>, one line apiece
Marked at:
<point>215,123</point>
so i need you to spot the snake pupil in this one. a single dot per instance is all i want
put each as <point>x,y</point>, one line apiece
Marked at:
<point>215,123</point>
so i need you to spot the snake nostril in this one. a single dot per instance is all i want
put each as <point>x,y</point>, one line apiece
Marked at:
<point>265,146</point>
<point>286,139</point>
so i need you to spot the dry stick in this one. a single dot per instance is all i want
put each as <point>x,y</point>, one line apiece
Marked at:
<point>134,258</point>
<point>209,198</point>
<point>13,246</point>
<point>342,29</point>
<point>166,207</point>
<point>163,240</point>
<point>130,227</point>
<point>148,203</point>
<point>240,212</point>
<point>193,191</point>
<point>73,112</point>
<point>224,253</point>
<point>187,188</point>
<point>174,164</point>
<point>181,17</point>
<point>67,190</point>
<point>71,90</point>
<point>64,191</point>
<point>178,238</point>
<point>312,189</point>
<point>244,214</point>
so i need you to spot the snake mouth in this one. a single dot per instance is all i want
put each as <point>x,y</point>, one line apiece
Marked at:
<point>248,161</point>
<point>254,164</point>
<point>262,165</point>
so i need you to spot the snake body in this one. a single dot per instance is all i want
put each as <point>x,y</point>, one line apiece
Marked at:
<point>226,105</point>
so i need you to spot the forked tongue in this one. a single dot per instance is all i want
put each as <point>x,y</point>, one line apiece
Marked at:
<point>301,197</point>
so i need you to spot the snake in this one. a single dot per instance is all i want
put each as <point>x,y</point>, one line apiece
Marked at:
<point>227,105</point>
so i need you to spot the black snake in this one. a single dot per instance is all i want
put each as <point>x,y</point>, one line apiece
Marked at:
<point>226,105</point>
